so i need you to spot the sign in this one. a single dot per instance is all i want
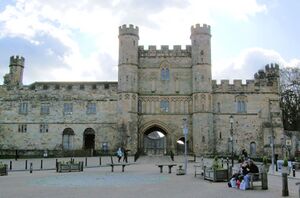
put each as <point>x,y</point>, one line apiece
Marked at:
<point>288,142</point>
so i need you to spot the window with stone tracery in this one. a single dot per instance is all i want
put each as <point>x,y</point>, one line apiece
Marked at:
<point>164,71</point>
<point>164,106</point>
<point>241,104</point>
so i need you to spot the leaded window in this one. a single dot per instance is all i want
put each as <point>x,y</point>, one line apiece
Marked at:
<point>164,106</point>
<point>91,108</point>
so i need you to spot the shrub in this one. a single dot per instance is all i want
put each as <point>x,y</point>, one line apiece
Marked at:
<point>285,162</point>
<point>265,160</point>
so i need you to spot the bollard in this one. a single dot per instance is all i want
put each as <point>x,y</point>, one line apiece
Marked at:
<point>194,157</point>
<point>56,165</point>
<point>111,159</point>
<point>285,188</point>
<point>41,164</point>
<point>85,161</point>
<point>10,165</point>
<point>30,167</point>
<point>222,162</point>
<point>100,161</point>
<point>294,169</point>
<point>25,164</point>
<point>227,163</point>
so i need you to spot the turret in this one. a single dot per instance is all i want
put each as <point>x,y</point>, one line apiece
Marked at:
<point>201,51</point>
<point>128,86</point>
<point>128,58</point>
<point>203,134</point>
<point>128,44</point>
<point>201,58</point>
<point>15,75</point>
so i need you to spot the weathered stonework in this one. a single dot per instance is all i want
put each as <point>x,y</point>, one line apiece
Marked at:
<point>127,110</point>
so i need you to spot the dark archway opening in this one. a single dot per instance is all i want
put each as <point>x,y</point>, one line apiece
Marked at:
<point>155,141</point>
<point>89,138</point>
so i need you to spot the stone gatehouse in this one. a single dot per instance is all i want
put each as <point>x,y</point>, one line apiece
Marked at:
<point>144,110</point>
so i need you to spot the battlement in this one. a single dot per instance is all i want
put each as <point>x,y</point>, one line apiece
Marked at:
<point>17,60</point>
<point>129,30</point>
<point>269,76</point>
<point>165,50</point>
<point>198,29</point>
<point>238,86</point>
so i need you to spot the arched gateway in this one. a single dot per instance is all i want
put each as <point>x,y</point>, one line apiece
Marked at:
<point>154,139</point>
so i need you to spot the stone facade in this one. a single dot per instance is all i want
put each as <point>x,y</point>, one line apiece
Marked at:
<point>156,90</point>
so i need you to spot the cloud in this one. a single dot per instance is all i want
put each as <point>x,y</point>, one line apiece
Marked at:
<point>248,62</point>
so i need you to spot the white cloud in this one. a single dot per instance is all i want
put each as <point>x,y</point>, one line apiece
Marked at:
<point>248,62</point>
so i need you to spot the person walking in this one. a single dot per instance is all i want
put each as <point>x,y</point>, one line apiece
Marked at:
<point>119,154</point>
<point>125,155</point>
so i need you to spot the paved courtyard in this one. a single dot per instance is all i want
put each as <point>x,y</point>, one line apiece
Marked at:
<point>139,180</point>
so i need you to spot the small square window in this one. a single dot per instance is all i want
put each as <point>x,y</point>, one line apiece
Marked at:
<point>81,87</point>
<point>44,128</point>
<point>45,109</point>
<point>91,108</point>
<point>45,87</point>
<point>22,128</point>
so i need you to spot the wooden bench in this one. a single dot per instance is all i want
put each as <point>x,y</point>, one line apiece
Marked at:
<point>258,178</point>
<point>168,165</point>
<point>119,164</point>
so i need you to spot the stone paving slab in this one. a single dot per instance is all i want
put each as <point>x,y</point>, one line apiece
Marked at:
<point>140,180</point>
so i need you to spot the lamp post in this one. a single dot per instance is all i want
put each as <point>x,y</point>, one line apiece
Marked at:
<point>185,132</point>
<point>231,138</point>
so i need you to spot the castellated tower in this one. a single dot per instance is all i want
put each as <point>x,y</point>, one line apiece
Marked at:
<point>128,86</point>
<point>15,75</point>
<point>202,98</point>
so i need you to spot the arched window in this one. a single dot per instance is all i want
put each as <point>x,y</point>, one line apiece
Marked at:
<point>241,104</point>
<point>67,139</point>
<point>252,149</point>
<point>167,74</point>
<point>164,71</point>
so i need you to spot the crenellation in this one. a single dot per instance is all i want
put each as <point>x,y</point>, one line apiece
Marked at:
<point>17,60</point>
<point>129,30</point>
<point>237,83</point>
<point>198,29</point>
<point>165,50</point>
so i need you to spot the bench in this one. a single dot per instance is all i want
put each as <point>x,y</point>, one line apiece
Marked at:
<point>168,165</point>
<point>259,178</point>
<point>119,164</point>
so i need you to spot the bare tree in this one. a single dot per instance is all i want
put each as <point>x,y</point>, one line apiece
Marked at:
<point>290,98</point>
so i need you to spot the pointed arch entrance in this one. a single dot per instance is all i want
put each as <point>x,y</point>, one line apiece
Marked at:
<point>89,138</point>
<point>155,141</point>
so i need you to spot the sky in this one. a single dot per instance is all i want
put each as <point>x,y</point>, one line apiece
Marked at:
<point>77,40</point>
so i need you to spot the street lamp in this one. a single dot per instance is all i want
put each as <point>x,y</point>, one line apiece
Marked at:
<point>231,138</point>
<point>185,132</point>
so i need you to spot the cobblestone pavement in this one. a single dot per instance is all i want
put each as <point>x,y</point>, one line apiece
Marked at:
<point>140,180</point>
